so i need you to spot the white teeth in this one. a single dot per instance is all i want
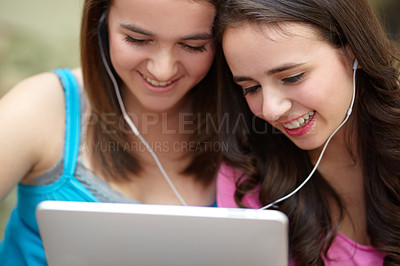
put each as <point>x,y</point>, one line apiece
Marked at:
<point>295,124</point>
<point>156,83</point>
<point>299,122</point>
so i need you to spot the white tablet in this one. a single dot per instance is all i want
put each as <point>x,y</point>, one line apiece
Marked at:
<point>82,233</point>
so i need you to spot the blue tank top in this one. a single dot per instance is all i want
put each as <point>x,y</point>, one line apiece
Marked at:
<point>22,244</point>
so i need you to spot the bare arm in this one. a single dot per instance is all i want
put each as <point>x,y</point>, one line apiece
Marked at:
<point>31,130</point>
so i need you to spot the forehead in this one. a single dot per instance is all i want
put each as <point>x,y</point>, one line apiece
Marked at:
<point>249,38</point>
<point>165,17</point>
<point>249,47</point>
<point>276,32</point>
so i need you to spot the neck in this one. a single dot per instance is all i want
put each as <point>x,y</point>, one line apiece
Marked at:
<point>167,132</point>
<point>342,170</point>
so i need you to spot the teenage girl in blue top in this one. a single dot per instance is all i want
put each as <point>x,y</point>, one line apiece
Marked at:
<point>128,126</point>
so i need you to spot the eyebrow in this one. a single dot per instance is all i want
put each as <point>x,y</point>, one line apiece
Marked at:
<point>282,68</point>
<point>197,36</point>
<point>137,29</point>
<point>273,71</point>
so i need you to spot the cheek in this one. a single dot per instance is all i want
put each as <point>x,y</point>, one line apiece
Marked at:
<point>315,93</point>
<point>333,93</point>
<point>123,55</point>
<point>334,84</point>
<point>255,105</point>
<point>199,64</point>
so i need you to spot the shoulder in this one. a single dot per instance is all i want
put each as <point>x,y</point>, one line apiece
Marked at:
<point>41,96</point>
<point>35,99</point>
<point>226,187</point>
<point>42,91</point>
<point>33,115</point>
<point>78,75</point>
<point>32,102</point>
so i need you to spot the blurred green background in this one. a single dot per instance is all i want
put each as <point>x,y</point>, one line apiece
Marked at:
<point>42,35</point>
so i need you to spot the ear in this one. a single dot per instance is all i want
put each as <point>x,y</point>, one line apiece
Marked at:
<point>351,57</point>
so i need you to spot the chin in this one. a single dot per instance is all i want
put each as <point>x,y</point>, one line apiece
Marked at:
<point>306,147</point>
<point>308,144</point>
<point>155,107</point>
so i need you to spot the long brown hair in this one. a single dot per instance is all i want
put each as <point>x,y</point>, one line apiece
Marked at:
<point>269,159</point>
<point>107,129</point>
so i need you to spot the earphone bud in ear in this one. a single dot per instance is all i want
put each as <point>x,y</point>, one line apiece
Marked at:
<point>355,64</point>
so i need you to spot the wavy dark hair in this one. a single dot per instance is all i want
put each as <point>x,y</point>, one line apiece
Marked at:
<point>271,160</point>
<point>116,163</point>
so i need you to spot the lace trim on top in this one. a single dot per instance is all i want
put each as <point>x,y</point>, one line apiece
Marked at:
<point>98,187</point>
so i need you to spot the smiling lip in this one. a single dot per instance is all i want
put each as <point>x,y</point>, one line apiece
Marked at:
<point>158,86</point>
<point>300,126</point>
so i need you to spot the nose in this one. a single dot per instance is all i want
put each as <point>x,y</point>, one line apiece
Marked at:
<point>274,104</point>
<point>163,65</point>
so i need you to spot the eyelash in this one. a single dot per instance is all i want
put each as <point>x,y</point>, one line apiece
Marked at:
<point>194,49</point>
<point>251,90</point>
<point>137,42</point>
<point>290,80</point>
<point>140,42</point>
<point>294,79</point>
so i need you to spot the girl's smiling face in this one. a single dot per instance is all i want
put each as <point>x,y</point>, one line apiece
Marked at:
<point>161,49</point>
<point>291,78</point>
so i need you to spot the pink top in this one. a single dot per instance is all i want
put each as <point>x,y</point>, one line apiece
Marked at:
<point>343,250</point>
